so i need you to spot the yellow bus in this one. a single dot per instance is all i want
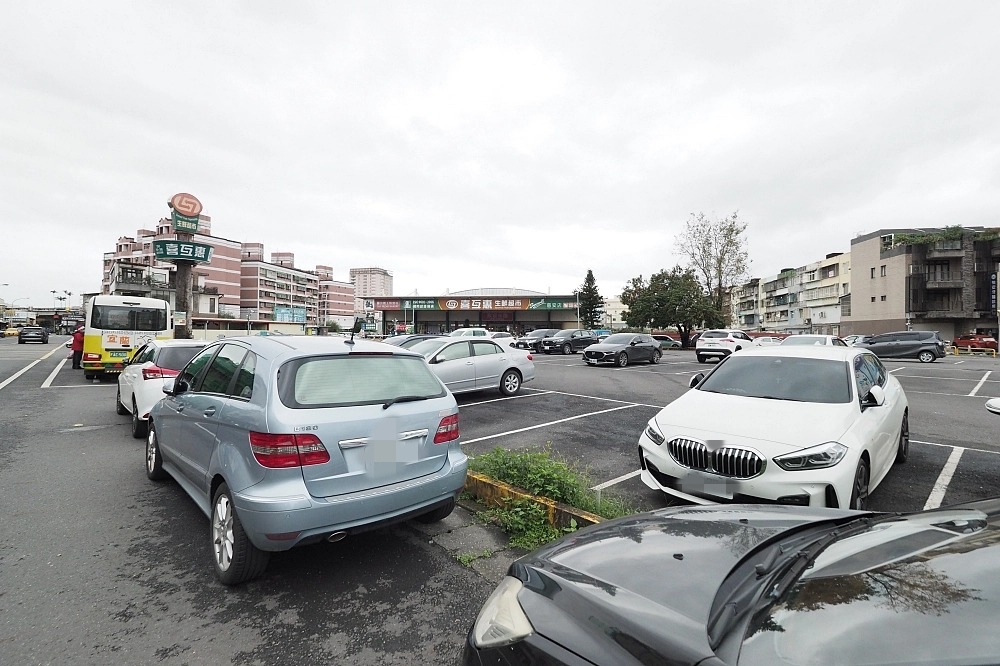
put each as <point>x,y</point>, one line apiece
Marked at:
<point>115,326</point>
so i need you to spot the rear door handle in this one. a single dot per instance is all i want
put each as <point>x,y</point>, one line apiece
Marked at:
<point>210,411</point>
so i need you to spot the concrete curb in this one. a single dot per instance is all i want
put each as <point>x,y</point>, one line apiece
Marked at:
<point>493,493</point>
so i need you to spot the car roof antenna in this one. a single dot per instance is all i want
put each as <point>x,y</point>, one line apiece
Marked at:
<point>354,329</point>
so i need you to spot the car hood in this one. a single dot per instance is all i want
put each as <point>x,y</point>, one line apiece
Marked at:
<point>639,589</point>
<point>772,426</point>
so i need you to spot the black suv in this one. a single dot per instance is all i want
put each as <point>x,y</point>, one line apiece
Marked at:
<point>569,341</point>
<point>927,346</point>
<point>532,340</point>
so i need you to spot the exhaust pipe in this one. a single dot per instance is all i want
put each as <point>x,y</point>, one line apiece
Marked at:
<point>336,536</point>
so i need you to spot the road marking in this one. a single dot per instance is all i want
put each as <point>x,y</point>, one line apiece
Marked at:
<point>594,397</point>
<point>941,485</point>
<point>52,375</point>
<point>19,373</point>
<point>623,477</point>
<point>509,397</point>
<point>951,446</point>
<point>550,423</point>
<point>981,382</point>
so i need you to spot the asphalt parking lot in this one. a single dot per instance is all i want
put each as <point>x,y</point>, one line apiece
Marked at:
<point>592,416</point>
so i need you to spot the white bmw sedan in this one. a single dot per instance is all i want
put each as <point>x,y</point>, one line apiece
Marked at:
<point>808,426</point>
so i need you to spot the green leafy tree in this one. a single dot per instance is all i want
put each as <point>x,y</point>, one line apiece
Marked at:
<point>332,326</point>
<point>670,299</point>
<point>591,303</point>
<point>717,252</point>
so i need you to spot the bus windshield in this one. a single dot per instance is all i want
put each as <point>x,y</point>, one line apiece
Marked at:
<point>122,318</point>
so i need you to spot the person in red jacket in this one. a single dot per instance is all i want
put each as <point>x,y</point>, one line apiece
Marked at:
<point>77,347</point>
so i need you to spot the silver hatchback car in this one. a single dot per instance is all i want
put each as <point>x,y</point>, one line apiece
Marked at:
<point>283,441</point>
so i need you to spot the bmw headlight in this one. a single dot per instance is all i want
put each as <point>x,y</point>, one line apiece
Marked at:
<point>501,621</point>
<point>815,457</point>
<point>654,434</point>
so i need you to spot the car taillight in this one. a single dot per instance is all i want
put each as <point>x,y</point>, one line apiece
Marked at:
<point>529,357</point>
<point>279,451</point>
<point>447,430</point>
<point>156,372</point>
<point>90,356</point>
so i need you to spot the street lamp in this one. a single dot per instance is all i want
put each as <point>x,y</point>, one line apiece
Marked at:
<point>54,292</point>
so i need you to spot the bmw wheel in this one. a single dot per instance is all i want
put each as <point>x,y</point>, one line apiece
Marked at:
<point>903,450</point>
<point>926,356</point>
<point>510,382</point>
<point>621,360</point>
<point>656,356</point>
<point>235,559</point>
<point>154,460</point>
<point>859,491</point>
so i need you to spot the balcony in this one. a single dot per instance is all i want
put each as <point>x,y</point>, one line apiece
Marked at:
<point>944,282</point>
<point>946,250</point>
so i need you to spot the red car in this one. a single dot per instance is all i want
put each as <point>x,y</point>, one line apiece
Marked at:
<point>976,340</point>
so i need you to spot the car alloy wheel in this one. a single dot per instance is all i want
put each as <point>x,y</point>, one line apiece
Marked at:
<point>567,348</point>
<point>236,559</point>
<point>138,425</point>
<point>510,383</point>
<point>926,356</point>
<point>656,356</point>
<point>903,451</point>
<point>119,407</point>
<point>859,491</point>
<point>622,359</point>
<point>154,460</point>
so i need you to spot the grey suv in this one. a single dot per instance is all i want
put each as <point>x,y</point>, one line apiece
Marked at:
<point>927,346</point>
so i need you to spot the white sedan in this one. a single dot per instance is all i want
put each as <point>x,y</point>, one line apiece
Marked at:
<point>810,426</point>
<point>474,364</point>
<point>140,384</point>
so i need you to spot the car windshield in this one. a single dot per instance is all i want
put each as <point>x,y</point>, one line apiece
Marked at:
<point>356,379</point>
<point>782,378</point>
<point>619,339</point>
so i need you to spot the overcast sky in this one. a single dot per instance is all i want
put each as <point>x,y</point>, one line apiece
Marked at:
<point>490,144</point>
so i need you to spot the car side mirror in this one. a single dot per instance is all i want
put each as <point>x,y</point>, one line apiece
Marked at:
<point>175,386</point>
<point>875,397</point>
<point>696,380</point>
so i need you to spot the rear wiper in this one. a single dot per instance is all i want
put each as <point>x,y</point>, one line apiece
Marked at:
<point>403,398</point>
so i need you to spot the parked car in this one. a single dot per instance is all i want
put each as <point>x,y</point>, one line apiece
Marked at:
<point>289,440</point>
<point>33,334</point>
<point>810,425</point>
<point>141,382</point>
<point>532,340</point>
<point>720,343</point>
<point>811,339</point>
<point>568,341</point>
<point>408,340</point>
<point>767,341</point>
<point>477,364</point>
<point>754,585</point>
<point>502,338</point>
<point>851,340</point>
<point>623,348</point>
<point>927,346</point>
<point>470,331</point>
<point>975,341</point>
<point>666,342</point>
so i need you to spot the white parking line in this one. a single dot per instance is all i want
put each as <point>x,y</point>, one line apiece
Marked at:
<point>545,425</point>
<point>594,397</point>
<point>981,382</point>
<point>623,477</point>
<point>951,446</point>
<point>509,397</point>
<point>52,375</point>
<point>941,485</point>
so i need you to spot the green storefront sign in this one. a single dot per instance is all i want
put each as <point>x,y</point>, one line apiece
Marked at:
<point>172,250</point>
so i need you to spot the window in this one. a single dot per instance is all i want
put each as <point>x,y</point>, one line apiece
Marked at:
<point>483,348</point>
<point>243,387</point>
<point>882,297</point>
<point>454,352</point>
<point>222,370</point>
<point>873,272</point>
<point>873,298</point>
<point>882,270</point>
<point>195,367</point>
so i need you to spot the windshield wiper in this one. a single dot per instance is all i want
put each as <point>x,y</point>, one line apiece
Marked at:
<point>403,398</point>
<point>805,557</point>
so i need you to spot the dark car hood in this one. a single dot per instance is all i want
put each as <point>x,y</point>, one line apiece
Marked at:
<point>603,595</point>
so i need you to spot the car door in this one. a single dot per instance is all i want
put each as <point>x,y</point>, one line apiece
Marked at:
<point>454,366</point>
<point>490,361</point>
<point>883,346</point>
<point>172,414</point>
<point>877,423</point>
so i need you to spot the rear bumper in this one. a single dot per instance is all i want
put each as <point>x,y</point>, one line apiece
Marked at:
<point>306,519</point>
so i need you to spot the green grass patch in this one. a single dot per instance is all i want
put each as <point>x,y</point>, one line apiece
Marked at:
<point>468,558</point>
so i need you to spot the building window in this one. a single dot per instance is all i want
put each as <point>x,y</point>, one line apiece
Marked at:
<point>882,270</point>
<point>873,298</point>
<point>873,272</point>
<point>882,297</point>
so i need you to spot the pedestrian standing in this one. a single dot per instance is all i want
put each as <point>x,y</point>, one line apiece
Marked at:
<point>77,347</point>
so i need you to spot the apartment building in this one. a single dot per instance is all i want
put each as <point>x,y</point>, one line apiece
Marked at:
<point>275,290</point>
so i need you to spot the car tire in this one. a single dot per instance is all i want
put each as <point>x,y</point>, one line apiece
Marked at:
<point>701,359</point>
<point>903,450</point>
<point>154,459</point>
<point>621,360</point>
<point>234,558</point>
<point>510,382</point>
<point>119,407</point>
<point>859,488</point>
<point>926,356</point>
<point>656,356</point>
<point>139,427</point>
<point>89,375</point>
<point>437,514</point>
<point>567,348</point>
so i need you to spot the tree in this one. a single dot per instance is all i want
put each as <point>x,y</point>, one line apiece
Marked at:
<point>591,303</point>
<point>717,253</point>
<point>671,299</point>
<point>332,326</point>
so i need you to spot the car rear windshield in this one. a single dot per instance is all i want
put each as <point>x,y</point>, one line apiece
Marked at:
<point>357,379</point>
<point>782,378</point>
<point>175,358</point>
<point>715,334</point>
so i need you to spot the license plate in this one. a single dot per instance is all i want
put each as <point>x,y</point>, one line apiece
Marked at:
<point>118,354</point>
<point>591,361</point>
